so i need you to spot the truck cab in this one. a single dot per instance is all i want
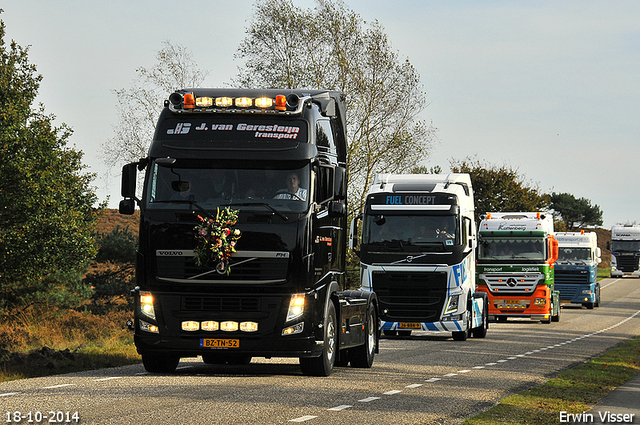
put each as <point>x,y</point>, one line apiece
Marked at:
<point>417,252</point>
<point>576,271</point>
<point>625,250</point>
<point>516,258</point>
<point>243,233</point>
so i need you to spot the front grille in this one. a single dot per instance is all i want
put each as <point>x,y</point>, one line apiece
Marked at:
<point>257,269</point>
<point>410,296</point>
<point>195,303</point>
<point>627,263</point>
<point>512,283</point>
<point>571,277</point>
<point>567,292</point>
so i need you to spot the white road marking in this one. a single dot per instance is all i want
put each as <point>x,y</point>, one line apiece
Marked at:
<point>303,418</point>
<point>339,408</point>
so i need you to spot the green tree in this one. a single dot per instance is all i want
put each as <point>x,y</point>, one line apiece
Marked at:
<point>573,213</point>
<point>46,200</point>
<point>500,189</point>
<point>117,255</point>
<point>331,47</point>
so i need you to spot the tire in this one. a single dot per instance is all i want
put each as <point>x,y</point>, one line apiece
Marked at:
<point>362,356</point>
<point>155,363</point>
<point>462,335</point>
<point>323,365</point>
<point>589,305</point>
<point>556,318</point>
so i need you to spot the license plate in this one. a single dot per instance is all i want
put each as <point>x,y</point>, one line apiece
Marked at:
<point>512,301</point>
<point>220,343</point>
<point>409,325</point>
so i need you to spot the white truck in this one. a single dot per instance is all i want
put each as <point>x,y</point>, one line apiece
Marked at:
<point>625,250</point>
<point>576,270</point>
<point>417,251</point>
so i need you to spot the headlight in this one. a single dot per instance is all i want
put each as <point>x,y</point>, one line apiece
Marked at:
<point>587,291</point>
<point>540,301</point>
<point>146,304</point>
<point>452,306</point>
<point>296,307</point>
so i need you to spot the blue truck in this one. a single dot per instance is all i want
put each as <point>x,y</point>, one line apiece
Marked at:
<point>577,268</point>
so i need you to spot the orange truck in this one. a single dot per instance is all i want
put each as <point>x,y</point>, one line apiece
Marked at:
<point>516,257</point>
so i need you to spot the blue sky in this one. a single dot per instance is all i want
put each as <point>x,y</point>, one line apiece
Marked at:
<point>549,88</point>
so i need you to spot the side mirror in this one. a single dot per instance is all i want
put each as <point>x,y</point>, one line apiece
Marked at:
<point>337,209</point>
<point>128,188</point>
<point>340,183</point>
<point>326,184</point>
<point>354,243</point>
<point>127,206</point>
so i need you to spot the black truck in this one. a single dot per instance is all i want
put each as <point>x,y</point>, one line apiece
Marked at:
<point>242,238</point>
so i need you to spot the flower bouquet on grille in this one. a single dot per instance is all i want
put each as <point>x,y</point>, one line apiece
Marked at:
<point>216,240</point>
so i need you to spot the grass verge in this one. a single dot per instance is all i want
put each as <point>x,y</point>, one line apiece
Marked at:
<point>573,391</point>
<point>48,341</point>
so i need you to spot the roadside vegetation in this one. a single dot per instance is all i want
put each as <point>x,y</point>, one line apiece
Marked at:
<point>573,391</point>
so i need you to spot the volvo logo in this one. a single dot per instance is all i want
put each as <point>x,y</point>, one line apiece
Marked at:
<point>512,282</point>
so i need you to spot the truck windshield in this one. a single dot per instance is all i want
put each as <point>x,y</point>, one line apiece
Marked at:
<point>574,254</point>
<point>209,188</point>
<point>506,248</point>
<point>396,231</point>
<point>631,246</point>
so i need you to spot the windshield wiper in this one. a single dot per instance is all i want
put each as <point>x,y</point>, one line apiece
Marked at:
<point>261,204</point>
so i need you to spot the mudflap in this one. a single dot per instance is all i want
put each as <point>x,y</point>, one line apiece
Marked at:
<point>480,320</point>
<point>479,309</point>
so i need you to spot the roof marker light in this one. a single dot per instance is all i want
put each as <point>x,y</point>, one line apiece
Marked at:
<point>224,102</point>
<point>204,102</point>
<point>244,102</point>
<point>264,102</point>
<point>189,101</point>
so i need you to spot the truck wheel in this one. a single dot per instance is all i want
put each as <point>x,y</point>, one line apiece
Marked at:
<point>556,318</point>
<point>362,356</point>
<point>156,363</point>
<point>323,365</point>
<point>462,335</point>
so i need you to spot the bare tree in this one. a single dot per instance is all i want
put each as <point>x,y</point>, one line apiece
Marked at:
<point>331,47</point>
<point>140,105</point>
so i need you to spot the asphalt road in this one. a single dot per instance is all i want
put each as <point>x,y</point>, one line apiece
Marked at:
<point>424,379</point>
